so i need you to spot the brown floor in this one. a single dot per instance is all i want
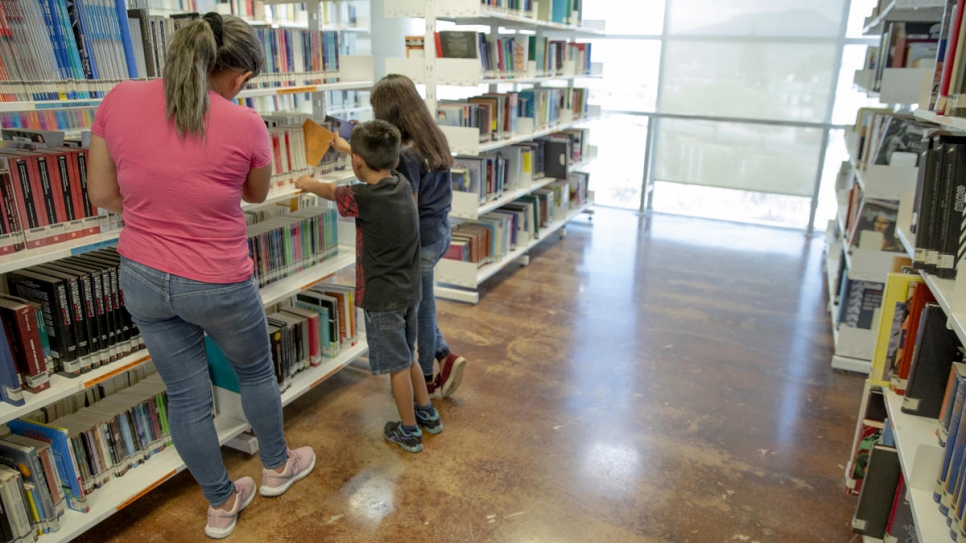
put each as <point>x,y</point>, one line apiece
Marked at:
<point>661,381</point>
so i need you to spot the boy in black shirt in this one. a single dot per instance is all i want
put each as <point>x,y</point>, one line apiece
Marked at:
<point>387,272</point>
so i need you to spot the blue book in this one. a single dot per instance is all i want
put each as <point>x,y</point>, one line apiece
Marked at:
<point>11,385</point>
<point>56,40</point>
<point>59,439</point>
<point>76,70</point>
<point>125,30</point>
<point>85,50</point>
<point>953,460</point>
<point>560,13</point>
<point>954,427</point>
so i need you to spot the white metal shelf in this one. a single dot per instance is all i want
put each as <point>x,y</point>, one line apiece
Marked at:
<point>298,89</point>
<point>957,123</point>
<point>904,10</point>
<point>522,138</point>
<point>61,387</point>
<point>919,451</point>
<point>285,288</point>
<point>289,192</point>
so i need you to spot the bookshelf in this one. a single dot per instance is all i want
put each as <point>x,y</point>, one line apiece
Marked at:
<point>458,280</point>
<point>355,73</point>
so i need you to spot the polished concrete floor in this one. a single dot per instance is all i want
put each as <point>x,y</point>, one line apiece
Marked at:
<point>657,380</point>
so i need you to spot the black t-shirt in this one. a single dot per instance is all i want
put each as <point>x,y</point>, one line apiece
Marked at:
<point>434,192</point>
<point>387,243</point>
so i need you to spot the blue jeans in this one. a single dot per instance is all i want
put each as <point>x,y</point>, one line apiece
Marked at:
<point>173,314</point>
<point>391,336</point>
<point>432,345</point>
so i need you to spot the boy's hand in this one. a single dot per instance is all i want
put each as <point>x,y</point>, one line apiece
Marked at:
<point>306,183</point>
<point>323,190</point>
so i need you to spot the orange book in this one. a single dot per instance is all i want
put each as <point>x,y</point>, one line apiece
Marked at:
<point>920,297</point>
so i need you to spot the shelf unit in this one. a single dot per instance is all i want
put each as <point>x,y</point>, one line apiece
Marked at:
<point>356,73</point>
<point>472,12</point>
<point>458,280</point>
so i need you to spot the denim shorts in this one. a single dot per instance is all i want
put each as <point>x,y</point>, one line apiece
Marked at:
<point>392,340</point>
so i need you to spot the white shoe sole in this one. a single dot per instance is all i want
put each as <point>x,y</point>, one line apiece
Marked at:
<point>221,533</point>
<point>273,491</point>
<point>455,377</point>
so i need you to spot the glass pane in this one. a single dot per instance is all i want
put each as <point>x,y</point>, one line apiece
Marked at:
<point>754,80</point>
<point>618,173</point>
<point>630,74</point>
<point>732,205</point>
<point>779,18</point>
<point>764,158</point>
<point>857,13</point>
<point>835,154</point>
<point>849,99</point>
<point>627,16</point>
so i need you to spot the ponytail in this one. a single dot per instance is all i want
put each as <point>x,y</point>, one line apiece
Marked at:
<point>191,57</point>
<point>199,49</point>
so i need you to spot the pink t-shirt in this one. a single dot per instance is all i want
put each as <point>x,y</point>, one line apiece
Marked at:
<point>182,212</point>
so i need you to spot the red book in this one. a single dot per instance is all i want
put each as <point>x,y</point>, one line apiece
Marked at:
<point>439,46</point>
<point>921,295</point>
<point>900,490</point>
<point>951,44</point>
<point>20,324</point>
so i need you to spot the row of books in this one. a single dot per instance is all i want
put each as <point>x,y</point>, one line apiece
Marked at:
<point>567,12</point>
<point>288,149</point>
<point>304,331</point>
<point>290,243</point>
<point>100,441</point>
<point>338,14</point>
<point>297,57</point>
<point>489,175</point>
<point>496,114</point>
<point>43,191</point>
<point>938,206</point>
<point>83,310</point>
<point>89,45</point>
<point>493,235</point>
<point>949,70</point>
<point>886,138</point>
<point>904,45</point>
<point>510,56</point>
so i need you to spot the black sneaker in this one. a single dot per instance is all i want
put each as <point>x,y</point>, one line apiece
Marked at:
<point>429,421</point>
<point>412,442</point>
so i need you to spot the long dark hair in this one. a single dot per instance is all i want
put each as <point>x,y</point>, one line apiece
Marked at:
<point>202,48</point>
<point>395,100</point>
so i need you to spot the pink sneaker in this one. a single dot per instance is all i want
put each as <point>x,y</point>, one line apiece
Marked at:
<point>451,373</point>
<point>300,463</point>
<point>221,523</point>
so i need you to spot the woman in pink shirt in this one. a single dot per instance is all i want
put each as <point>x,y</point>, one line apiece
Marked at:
<point>175,157</point>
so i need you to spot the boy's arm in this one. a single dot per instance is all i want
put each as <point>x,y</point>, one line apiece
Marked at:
<point>322,190</point>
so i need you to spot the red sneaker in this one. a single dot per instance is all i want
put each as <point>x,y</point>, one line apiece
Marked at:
<point>434,385</point>
<point>451,373</point>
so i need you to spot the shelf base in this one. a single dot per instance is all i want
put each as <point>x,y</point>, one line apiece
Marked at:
<point>856,365</point>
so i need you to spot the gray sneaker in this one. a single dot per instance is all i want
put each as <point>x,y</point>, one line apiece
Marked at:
<point>394,433</point>
<point>429,421</point>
